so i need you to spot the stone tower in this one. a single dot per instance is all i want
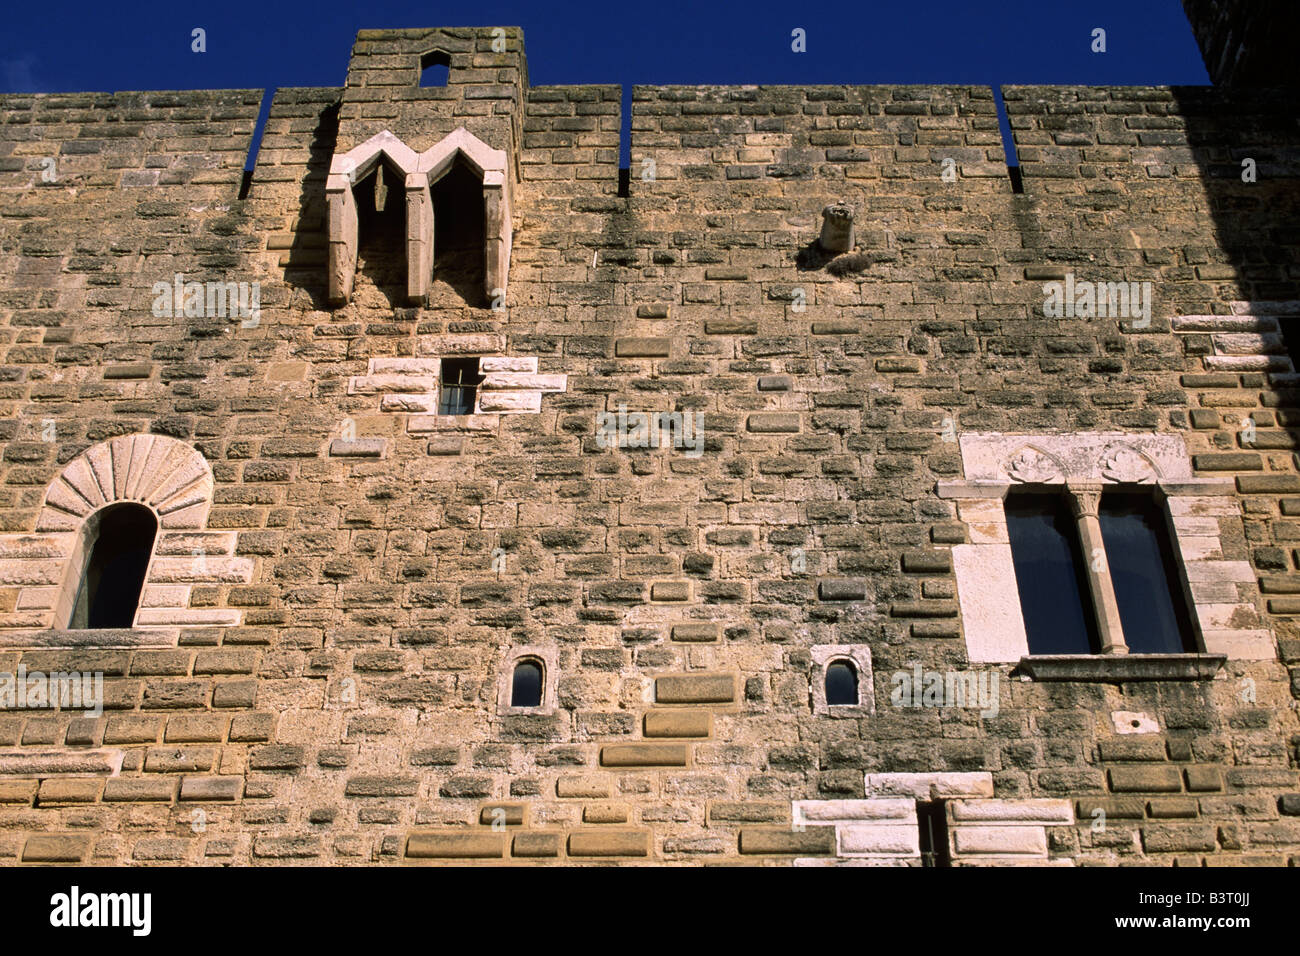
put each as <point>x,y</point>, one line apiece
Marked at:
<point>440,500</point>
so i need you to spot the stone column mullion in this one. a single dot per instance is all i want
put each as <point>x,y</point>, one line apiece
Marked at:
<point>1085,499</point>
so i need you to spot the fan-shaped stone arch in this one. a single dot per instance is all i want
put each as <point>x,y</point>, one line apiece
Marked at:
<point>44,566</point>
<point>167,475</point>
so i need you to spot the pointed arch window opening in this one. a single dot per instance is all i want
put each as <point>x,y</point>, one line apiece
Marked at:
<point>457,154</point>
<point>381,227</point>
<point>459,239</point>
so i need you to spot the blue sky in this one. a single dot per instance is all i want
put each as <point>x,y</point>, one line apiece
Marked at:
<point>78,45</point>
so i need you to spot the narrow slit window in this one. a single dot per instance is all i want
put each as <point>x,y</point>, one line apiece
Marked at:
<point>526,685</point>
<point>1144,572</point>
<point>460,381</point>
<point>1050,575</point>
<point>841,683</point>
<point>120,545</point>
<point>933,822</point>
<point>435,68</point>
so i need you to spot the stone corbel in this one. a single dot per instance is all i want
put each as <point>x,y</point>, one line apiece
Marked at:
<point>497,232</point>
<point>419,237</point>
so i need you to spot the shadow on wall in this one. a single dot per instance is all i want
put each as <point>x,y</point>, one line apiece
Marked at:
<point>1258,223</point>
<point>306,268</point>
<point>381,235</point>
<point>1246,143</point>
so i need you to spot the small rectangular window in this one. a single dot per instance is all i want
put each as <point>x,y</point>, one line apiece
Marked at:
<point>460,381</point>
<point>1050,575</point>
<point>932,818</point>
<point>1152,609</point>
<point>435,68</point>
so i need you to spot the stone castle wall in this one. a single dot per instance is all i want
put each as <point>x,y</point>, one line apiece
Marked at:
<point>320,678</point>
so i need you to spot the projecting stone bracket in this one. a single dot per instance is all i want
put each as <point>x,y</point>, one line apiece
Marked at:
<point>421,172</point>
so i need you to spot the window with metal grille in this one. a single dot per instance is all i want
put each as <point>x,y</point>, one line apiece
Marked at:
<point>460,380</point>
<point>933,821</point>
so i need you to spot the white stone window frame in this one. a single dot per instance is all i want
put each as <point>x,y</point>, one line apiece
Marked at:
<point>1082,465</point>
<point>859,655</point>
<point>511,385</point>
<point>440,385</point>
<point>421,172</point>
<point>167,476</point>
<point>883,829</point>
<point>512,656</point>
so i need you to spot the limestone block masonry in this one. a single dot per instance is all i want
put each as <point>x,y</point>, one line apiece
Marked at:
<point>344,580</point>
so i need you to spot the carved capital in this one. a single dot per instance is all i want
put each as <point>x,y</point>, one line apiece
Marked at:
<point>1085,498</point>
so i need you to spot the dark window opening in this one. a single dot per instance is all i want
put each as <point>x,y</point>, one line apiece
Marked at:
<point>1050,575</point>
<point>459,243</point>
<point>625,182</point>
<point>841,683</point>
<point>526,687</point>
<point>381,230</point>
<point>1144,572</point>
<point>110,588</point>
<point>460,381</point>
<point>435,68</point>
<point>933,822</point>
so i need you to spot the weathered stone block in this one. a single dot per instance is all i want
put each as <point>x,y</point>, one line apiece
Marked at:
<point>633,843</point>
<point>771,841</point>
<point>642,347</point>
<point>1151,779</point>
<point>55,848</point>
<point>461,846</point>
<point>677,723</point>
<point>774,422</point>
<point>695,689</point>
<point>695,632</point>
<point>643,755</point>
<point>535,845</point>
